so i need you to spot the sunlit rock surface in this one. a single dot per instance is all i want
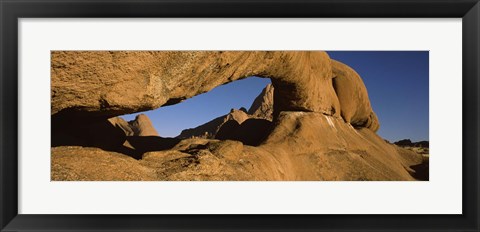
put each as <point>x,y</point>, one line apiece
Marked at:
<point>318,124</point>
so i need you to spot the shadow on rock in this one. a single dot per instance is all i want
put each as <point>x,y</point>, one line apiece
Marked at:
<point>70,130</point>
<point>98,132</point>
<point>144,144</point>
<point>421,171</point>
<point>251,132</point>
<point>136,146</point>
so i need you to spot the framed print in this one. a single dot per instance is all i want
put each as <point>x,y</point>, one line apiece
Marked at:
<point>224,115</point>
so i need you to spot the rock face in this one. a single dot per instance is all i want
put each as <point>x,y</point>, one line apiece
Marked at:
<point>342,153</point>
<point>292,151</point>
<point>262,106</point>
<point>210,129</point>
<point>122,124</point>
<point>353,97</point>
<point>142,126</point>
<point>237,115</point>
<point>251,132</point>
<point>102,83</point>
<point>409,143</point>
<point>207,130</point>
<point>79,163</point>
<point>322,124</point>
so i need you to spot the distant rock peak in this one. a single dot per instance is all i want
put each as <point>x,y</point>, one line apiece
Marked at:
<point>409,143</point>
<point>262,106</point>
<point>142,126</point>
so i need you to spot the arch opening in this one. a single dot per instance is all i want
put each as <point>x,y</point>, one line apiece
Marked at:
<point>241,110</point>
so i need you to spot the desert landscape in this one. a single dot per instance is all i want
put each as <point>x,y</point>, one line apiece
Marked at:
<point>314,122</point>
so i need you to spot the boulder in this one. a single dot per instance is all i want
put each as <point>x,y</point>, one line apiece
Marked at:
<point>237,115</point>
<point>251,132</point>
<point>353,97</point>
<point>142,126</point>
<point>122,124</point>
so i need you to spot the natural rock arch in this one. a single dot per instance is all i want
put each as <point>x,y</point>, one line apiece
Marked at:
<point>107,84</point>
<point>324,127</point>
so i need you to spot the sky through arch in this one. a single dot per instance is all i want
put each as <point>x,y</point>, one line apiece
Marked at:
<point>397,83</point>
<point>171,120</point>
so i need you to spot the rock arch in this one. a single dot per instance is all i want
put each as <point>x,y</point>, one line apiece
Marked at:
<point>313,144</point>
<point>115,83</point>
<point>107,84</point>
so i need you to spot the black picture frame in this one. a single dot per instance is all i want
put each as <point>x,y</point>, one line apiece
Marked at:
<point>11,11</point>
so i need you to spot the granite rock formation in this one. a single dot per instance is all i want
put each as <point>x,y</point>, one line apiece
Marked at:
<point>142,126</point>
<point>353,97</point>
<point>210,129</point>
<point>122,124</point>
<point>103,83</point>
<point>262,106</point>
<point>409,143</point>
<point>323,126</point>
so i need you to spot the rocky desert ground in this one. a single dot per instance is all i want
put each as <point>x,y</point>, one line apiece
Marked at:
<point>313,123</point>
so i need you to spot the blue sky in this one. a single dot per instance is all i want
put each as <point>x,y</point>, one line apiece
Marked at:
<point>171,120</point>
<point>397,84</point>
